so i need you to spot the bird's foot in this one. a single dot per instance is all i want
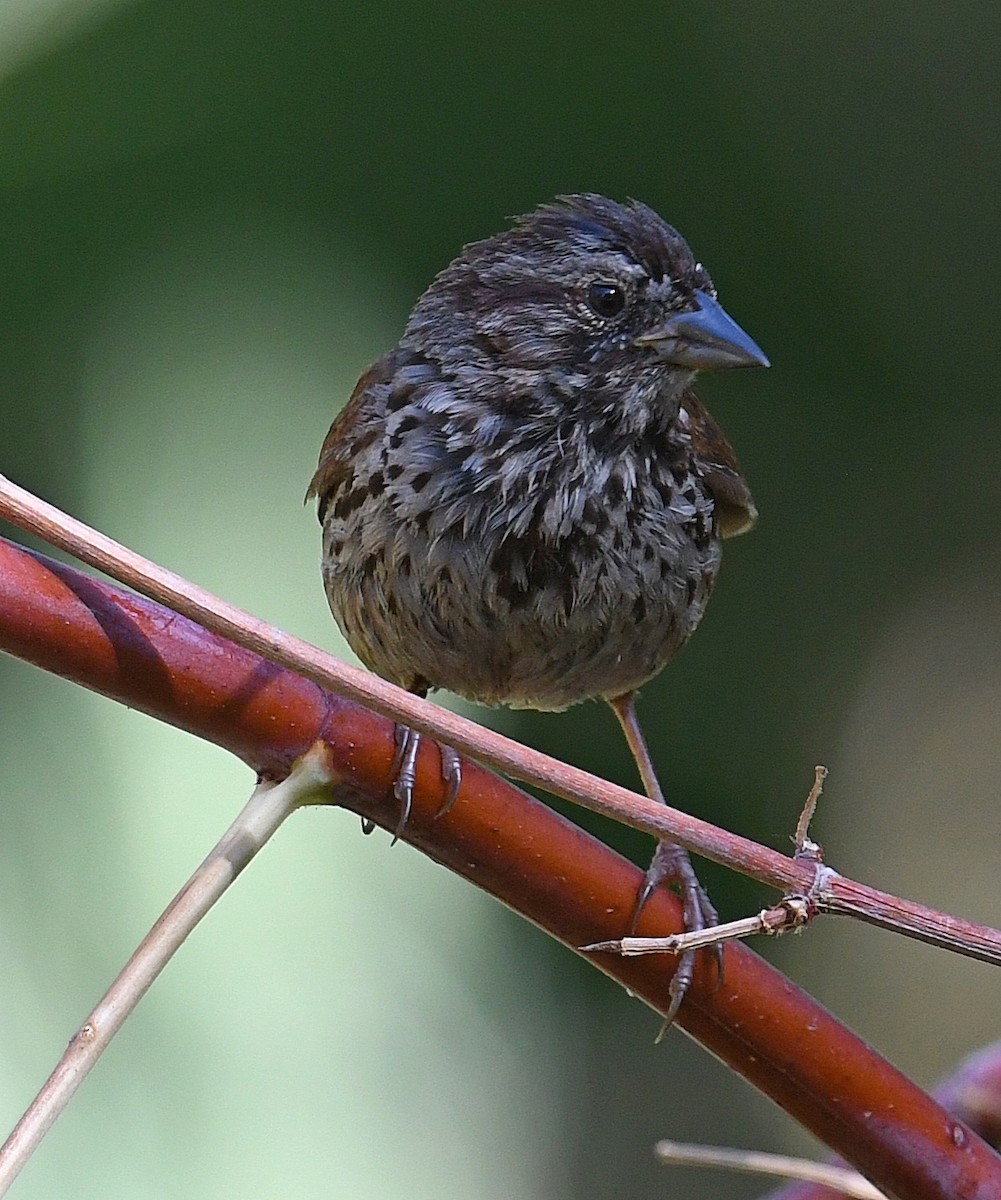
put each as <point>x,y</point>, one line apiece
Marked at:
<point>671,864</point>
<point>404,772</point>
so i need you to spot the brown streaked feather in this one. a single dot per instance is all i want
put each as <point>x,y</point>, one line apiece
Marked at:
<point>720,469</point>
<point>337,453</point>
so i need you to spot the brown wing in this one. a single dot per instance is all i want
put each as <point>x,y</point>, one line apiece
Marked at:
<point>720,469</point>
<point>358,420</point>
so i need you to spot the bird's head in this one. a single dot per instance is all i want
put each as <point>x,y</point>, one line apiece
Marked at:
<point>599,299</point>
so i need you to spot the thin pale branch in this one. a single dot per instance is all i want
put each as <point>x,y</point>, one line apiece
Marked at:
<point>828,1176</point>
<point>787,916</point>
<point>263,813</point>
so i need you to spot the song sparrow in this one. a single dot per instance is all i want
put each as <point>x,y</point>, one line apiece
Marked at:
<point>522,502</point>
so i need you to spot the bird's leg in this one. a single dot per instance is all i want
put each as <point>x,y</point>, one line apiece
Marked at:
<point>670,861</point>
<point>404,771</point>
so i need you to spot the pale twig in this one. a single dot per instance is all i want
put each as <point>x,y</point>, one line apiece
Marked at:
<point>791,913</point>
<point>269,805</point>
<point>805,846</point>
<point>839,1179</point>
<point>837,895</point>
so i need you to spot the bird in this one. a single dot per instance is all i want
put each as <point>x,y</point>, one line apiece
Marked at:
<point>523,502</point>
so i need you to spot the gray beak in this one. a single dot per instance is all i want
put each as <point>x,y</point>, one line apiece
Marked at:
<point>704,339</point>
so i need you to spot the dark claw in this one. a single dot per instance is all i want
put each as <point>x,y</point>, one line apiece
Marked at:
<point>451,773</point>
<point>677,990</point>
<point>404,771</point>
<point>408,742</point>
<point>671,862</point>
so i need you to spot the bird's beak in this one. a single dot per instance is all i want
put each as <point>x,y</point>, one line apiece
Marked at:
<point>704,339</point>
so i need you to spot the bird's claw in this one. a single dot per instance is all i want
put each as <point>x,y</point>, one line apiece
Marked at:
<point>451,773</point>
<point>671,863</point>
<point>404,772</point>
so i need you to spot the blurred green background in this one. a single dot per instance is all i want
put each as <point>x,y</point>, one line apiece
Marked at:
<point>212,218</point>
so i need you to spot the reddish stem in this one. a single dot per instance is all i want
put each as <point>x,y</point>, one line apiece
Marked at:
<point>140,654</point>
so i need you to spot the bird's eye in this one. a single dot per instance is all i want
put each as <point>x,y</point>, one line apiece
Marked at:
<point>606,299</point>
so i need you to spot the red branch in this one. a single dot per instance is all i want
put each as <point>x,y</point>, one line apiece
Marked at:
<point>517,849</point>
<point>972,1093</point>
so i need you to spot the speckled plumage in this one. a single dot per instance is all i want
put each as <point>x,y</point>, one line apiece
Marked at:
<point>519,504</point>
